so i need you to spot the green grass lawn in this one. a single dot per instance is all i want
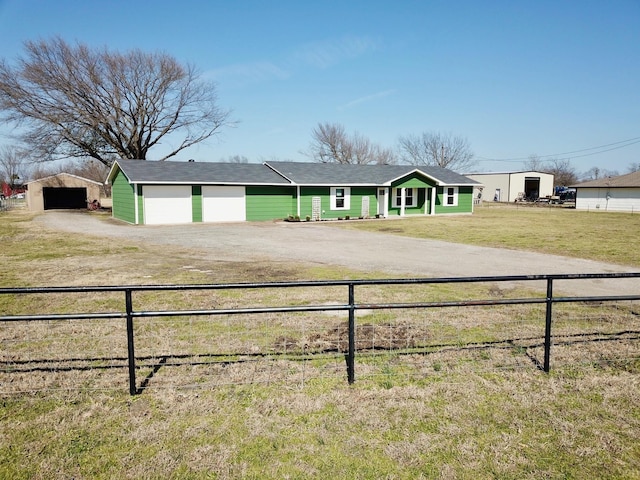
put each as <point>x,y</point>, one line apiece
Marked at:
<point>442,415</point>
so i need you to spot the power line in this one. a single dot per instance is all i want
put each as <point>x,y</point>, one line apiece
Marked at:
<point>615,146</point>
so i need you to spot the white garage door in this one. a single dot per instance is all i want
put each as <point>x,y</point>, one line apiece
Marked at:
<point>167,204</point>
<point>223,204</point>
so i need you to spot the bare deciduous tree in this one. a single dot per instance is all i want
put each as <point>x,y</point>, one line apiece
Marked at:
<point>73,101</point>
<point>331,144</point>
<point>437,149</point>
<point>535,164</point>
<point>13,166</point>
<point>563,172</point>
<point>595,173</point>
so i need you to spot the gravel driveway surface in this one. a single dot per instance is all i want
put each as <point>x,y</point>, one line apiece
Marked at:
<point>331,245</point>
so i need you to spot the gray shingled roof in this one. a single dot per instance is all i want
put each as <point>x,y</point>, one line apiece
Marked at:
<point>146,171</point>
<point>348,174</point>
<point>278,173</point>
<point>630,180</point>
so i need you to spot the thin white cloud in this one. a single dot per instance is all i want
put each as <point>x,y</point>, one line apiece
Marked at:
<point>327,53</point>
<point>318,55</point>
<point>248,73</point>
<point>366,99</point>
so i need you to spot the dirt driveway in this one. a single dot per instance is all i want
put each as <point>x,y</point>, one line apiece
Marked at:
<point>327,244</point>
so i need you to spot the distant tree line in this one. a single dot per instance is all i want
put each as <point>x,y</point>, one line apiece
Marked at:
<point>330,143</point>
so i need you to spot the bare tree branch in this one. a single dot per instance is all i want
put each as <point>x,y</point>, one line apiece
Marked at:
<point>13,166</point>
<point>77,102</point>
<point>331,144</point>
<point>436,149</point>
<point>563,172</point>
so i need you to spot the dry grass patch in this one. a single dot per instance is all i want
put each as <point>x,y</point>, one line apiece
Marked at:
<point>449,393</point>
<point>460,424</point>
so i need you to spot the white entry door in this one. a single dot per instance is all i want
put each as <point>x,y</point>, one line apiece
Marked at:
<point>223,204</point>
<point>167,204</point>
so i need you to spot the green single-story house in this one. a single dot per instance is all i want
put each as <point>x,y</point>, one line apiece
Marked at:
<point>153,192</point>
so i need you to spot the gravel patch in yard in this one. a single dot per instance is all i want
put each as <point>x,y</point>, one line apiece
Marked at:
<point>327,244</point>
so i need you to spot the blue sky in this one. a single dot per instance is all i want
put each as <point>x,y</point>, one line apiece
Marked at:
<point>514,77</point>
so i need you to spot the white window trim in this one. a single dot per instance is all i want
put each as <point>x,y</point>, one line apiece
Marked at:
<point>414,197</point>
<point>347,198</point>
<point>446,197</point>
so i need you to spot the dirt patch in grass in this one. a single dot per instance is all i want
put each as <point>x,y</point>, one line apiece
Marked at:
<point>382,336</point>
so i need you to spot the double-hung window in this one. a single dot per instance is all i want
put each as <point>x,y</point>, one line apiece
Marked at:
<point>451,196</point>
<point>340,198</point>
<point>409,197</point>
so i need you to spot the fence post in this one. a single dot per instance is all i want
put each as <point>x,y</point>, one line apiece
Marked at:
<point>547,332</point>
<point>351,355</point>
<point>130,346</point>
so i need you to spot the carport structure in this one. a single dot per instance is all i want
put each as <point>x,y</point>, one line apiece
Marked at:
<point>61,191</point>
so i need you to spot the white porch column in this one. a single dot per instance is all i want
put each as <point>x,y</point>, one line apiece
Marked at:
<point>403,192</point>
<point>298,199</point>
<point>135,204</point>
<point>426,201</point>
<point>434,192</point>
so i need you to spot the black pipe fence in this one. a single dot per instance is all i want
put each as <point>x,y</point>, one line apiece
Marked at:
<point>133,315</point>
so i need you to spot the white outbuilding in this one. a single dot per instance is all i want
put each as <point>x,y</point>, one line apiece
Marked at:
<point>513,186</point>
<point>610,194</point>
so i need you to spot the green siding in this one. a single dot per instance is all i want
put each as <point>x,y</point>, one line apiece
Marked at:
<point>196,203</point>
<point>357,194</point>
<point>355,202</point>
<point>414,180</point>
<point>270,203</point>
<point>123,198</point>
<point>465,201</point>
<point>306,199</point>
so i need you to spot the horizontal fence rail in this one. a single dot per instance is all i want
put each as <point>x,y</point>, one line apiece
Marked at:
<point>128,312</point>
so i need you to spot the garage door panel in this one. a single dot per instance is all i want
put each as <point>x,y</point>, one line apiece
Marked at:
<point>223,204</point>
<point>64,197</point>
<point>164,204</point>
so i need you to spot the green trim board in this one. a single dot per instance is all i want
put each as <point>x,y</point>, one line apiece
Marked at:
<point>140,200</point>
<point>196,203</point>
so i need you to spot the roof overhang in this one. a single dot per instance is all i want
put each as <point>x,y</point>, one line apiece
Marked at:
<point>67,175</point>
